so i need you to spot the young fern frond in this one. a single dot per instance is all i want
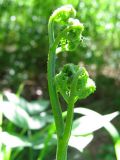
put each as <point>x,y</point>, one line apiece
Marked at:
<point>72,36</point>
<point>72,82</point>
<point>62,14</point>
<point>85,85</point>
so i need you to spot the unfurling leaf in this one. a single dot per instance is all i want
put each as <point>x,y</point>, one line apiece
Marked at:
<point>63,80</point>
<point>72,37</point>
<point>62,14</point>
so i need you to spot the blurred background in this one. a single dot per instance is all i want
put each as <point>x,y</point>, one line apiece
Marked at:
<point>23,64</point>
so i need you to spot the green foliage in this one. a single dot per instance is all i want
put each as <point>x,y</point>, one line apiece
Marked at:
<point>62,14</point>
<point>23,54</point>
<point>81,136</point>
<point>73,83</point>
<point>23,34</point>
<point>64,80</point>
<point>70,36</point>
<point>70,40</point>
<point>23,116</point>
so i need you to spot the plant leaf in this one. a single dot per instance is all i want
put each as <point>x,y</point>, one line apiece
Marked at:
<point>15,114</point>
<point>80,142</point>
<point>91,122</point>
<point>13,141</point>
<point>64,80</point>
<point>21,118</point>
<point>33,107</point>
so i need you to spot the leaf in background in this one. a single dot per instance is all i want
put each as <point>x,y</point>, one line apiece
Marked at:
<point>15,114</point>
<point>40,139</point>
<point>33,107</point>
<point>37,122</point>
<point>21,118</point>
<point>39,143</point>
<point>36,141</point>
<point>91,122</point>
<point>13,141</point>
<point>38,106</point>
<point>86,111</point>
<point>80,142</point>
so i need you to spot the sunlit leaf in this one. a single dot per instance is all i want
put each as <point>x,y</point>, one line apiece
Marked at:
<point>21,118</point>
<point>39,143</point>
<point>13,141</point>
<point>80,142</point>
<point>31,107</point>
<point>38,106</point>
<point>86,111</point>
<point>91,122</point>
<point>15,114</point>
<point>37,122</point>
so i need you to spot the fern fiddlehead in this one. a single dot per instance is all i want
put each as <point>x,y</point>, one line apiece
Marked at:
<point>72,82</point>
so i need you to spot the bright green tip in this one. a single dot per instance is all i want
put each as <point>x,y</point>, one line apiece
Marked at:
<point>62,14</point>
<point>76,23</point>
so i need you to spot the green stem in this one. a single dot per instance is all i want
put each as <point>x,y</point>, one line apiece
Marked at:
<point>1,115</point>
<point>69,119</point>
<point>63,134</point>
<point>117,149</point>
<point>50,131</point>
<point>116,138</point>
<point>61,150</point>
<point>1,119</point>
<point>57,112</point>
<point>70,111</point>
<point>63,142</point>
<point>7,153</point>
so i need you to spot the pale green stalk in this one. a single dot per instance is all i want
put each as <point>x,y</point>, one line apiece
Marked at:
<point>1,118</point>
<point>116,138</point>
<point>62,143</point>
<point>57,112</point>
